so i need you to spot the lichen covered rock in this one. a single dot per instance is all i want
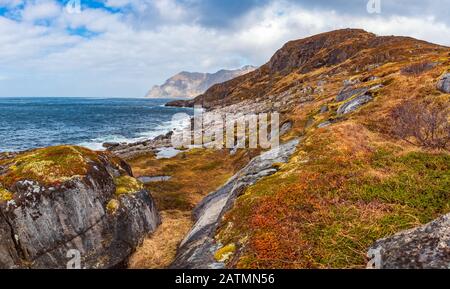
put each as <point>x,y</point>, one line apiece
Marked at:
<point>426,247</point>
<point>59,199</point>
<point>444,83</point>
<point>354,104</point>
<point>349,92</point>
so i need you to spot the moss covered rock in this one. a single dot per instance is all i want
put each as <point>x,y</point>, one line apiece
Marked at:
<point>59,199</point>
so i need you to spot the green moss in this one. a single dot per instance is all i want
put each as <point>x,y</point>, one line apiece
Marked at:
<point>420,183</point>
<point>127,185</point>
<point>224,253</point>
<point>49,165</point>
<point>5,195</point>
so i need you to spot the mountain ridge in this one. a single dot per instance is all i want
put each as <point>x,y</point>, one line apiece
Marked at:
<point>338,50</point>
<point>186,85</point>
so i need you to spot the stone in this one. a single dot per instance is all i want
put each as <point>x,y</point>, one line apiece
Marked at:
<point>323,109</point>
<point>425,247</point>
<point>350,82</point>
<point>285,128</point>
<point>148,180</point>
<point>324,124</point>
<point>354,104</point>
<point>444,83</point>
<point>349,92</point>
<point>109,145</point>
<point>197,249</point>
<point>74,210</point>
<point>150,146</point>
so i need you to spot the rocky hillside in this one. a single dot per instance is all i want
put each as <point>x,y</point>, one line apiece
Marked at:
<point>372,114</point>
<point>57,203</point>
<point>192,84</point>
<point>333,54</point>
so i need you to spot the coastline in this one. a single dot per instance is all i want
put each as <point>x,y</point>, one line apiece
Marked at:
<point>86,122</point>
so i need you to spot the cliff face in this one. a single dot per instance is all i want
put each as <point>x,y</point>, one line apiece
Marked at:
<point>192,84</point>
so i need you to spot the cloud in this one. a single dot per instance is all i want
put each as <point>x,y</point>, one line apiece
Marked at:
<point>10,3</point>
<point>124,51</point>
<point>40,10</point>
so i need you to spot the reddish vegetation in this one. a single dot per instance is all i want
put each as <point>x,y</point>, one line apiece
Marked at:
<point>367,174</point>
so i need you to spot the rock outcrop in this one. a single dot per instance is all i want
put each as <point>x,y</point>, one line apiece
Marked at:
<point>426,247</point>
<point>58,203</point>
<point>130,150</point>
<point>444,83</point>
<point>354,104</point>
<point>198,248</point>
<point>349,92</point>
<point>191,84</point>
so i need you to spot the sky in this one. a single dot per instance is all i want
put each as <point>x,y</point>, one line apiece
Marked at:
<point>121,48</point>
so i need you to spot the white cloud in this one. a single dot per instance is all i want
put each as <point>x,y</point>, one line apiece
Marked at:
<point>169,9</point>
<point>123,60</point>
<point>10,3</point>
<point>40,10</point>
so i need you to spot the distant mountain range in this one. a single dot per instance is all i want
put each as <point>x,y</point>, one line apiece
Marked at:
<point>191,84</point>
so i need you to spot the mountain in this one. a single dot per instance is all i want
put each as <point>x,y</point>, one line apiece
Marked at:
<point>192,84</point>
<point>338,51</point>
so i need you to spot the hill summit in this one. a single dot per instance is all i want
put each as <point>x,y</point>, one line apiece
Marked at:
<point>333,53</point>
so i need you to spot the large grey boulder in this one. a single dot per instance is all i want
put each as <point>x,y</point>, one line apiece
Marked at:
<point>444,83</point>
<point>197,249</point>
<point>354,104</point>
<point>95,211</point>
<point>426,247</point>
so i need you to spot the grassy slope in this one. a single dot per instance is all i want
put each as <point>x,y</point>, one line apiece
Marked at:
<point>346,186</point>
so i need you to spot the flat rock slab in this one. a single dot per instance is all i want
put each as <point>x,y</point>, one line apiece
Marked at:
<point>167,153</point>
<point>354,104</point>
<point>147,180</point>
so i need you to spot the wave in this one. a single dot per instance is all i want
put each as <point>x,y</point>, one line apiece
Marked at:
<point>161,129</point>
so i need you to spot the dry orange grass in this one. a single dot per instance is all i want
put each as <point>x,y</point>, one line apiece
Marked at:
<point>158,251</point>
<point>194,174</point>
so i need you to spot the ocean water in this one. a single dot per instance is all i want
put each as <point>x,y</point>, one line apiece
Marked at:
<point>27,123</point>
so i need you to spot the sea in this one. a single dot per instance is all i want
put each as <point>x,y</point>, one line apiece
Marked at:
<point>33,122</point>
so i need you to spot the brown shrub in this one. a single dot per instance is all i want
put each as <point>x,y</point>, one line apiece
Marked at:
<point>422,123</point>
